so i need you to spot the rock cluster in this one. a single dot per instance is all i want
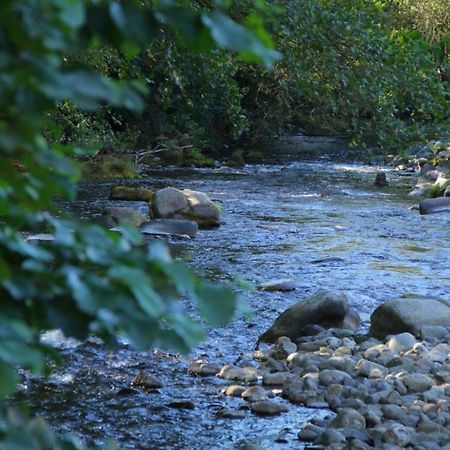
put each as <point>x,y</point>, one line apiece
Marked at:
<point>432,162</point>
<point>172,203</point>
<point>389,394</point>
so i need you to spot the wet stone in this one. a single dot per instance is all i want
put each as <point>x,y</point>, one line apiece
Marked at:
<point>402,342</point>
<point>398,435</point>
<point>268,408</point>
<point>234,390</point>
<point>231,413</point>
<point>254,394</point>
<point>370,369</point>
<point>349,418</point>
<point>329,376</point>
<point>181,404</point>
<point>204,369</point>
<point>235,373</point>
<point>282,285</point>
<point>310,432</point>
<point>330,436</point>
<point>416,382</point>
<point>275,379</point>
<point>146,381</point>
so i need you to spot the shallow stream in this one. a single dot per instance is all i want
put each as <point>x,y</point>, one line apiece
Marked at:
<point>320,222</point>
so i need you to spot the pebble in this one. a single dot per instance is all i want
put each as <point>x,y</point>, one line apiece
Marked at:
<point>370,369</point>
<point>204,369</point>
<point>268,408</point>
<point>329,376</point>
<point>275,379</point>
<point>146,381</point>
<point>402,342</point>
<point>234,390</point>
<point>254,394</point>
<point>398,435</point>
<point>349,418</point>
<point>310,432</point>
<point>417,382</point>
<point>235,373</point>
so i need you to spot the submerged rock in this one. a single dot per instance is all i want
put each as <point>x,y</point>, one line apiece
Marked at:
<point>172,227</point>
<point>147,381</point>
<point>283,285</point>
<point>408,315</point>
<point>380,180</point>
<point>327,309</point>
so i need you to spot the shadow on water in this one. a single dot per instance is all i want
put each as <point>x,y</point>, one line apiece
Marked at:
<point>320,222</point>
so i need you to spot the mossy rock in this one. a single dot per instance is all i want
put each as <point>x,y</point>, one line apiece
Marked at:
<point>130,193</point>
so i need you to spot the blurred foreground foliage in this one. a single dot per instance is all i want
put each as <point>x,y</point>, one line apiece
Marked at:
<point>86,280</point>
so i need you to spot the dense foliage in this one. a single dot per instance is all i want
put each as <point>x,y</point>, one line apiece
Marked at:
<point>85,280</point>
<point>377,70</point>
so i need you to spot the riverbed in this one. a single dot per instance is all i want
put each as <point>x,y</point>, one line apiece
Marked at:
<point>313,219</point>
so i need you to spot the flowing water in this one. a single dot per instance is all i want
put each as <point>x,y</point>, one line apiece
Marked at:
<point>320,222</point>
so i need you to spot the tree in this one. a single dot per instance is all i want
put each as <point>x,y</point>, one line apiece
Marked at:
<point>86,280</point>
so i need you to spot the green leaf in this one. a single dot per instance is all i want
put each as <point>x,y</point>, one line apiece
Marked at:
<point>9,379</point>
<point>216,303</point>
<point>232,36</point>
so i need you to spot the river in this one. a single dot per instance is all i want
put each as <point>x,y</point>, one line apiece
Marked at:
<point>313,219</point>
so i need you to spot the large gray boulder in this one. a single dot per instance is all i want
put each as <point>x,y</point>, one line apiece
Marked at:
<point>328,309</point>
<point>171,203</point>
<point>409,315</point>
<point>434,205</point>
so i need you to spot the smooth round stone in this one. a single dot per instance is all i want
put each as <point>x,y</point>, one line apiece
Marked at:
<point>268,408</point>
<point>204,369</point>
<point>349,418</point>
<point>398,435</point>
<point>294,391</point>
<point>310,432</point>
<point>372,414</point>
<point>356,444</point>
<point>375,351</point>
<point>275,379</point>
<point>393,412</point>
<point>147,381</point>
<point>330,376</point>
<point>254,394</point>
<point>235,373</point>
<point>417,382</point>
<point>402,342</point>
<point>234,390</point>
<point>345,364</point>
<point>282,284</point>
<point>330,436</point>
<point>370,369</point>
